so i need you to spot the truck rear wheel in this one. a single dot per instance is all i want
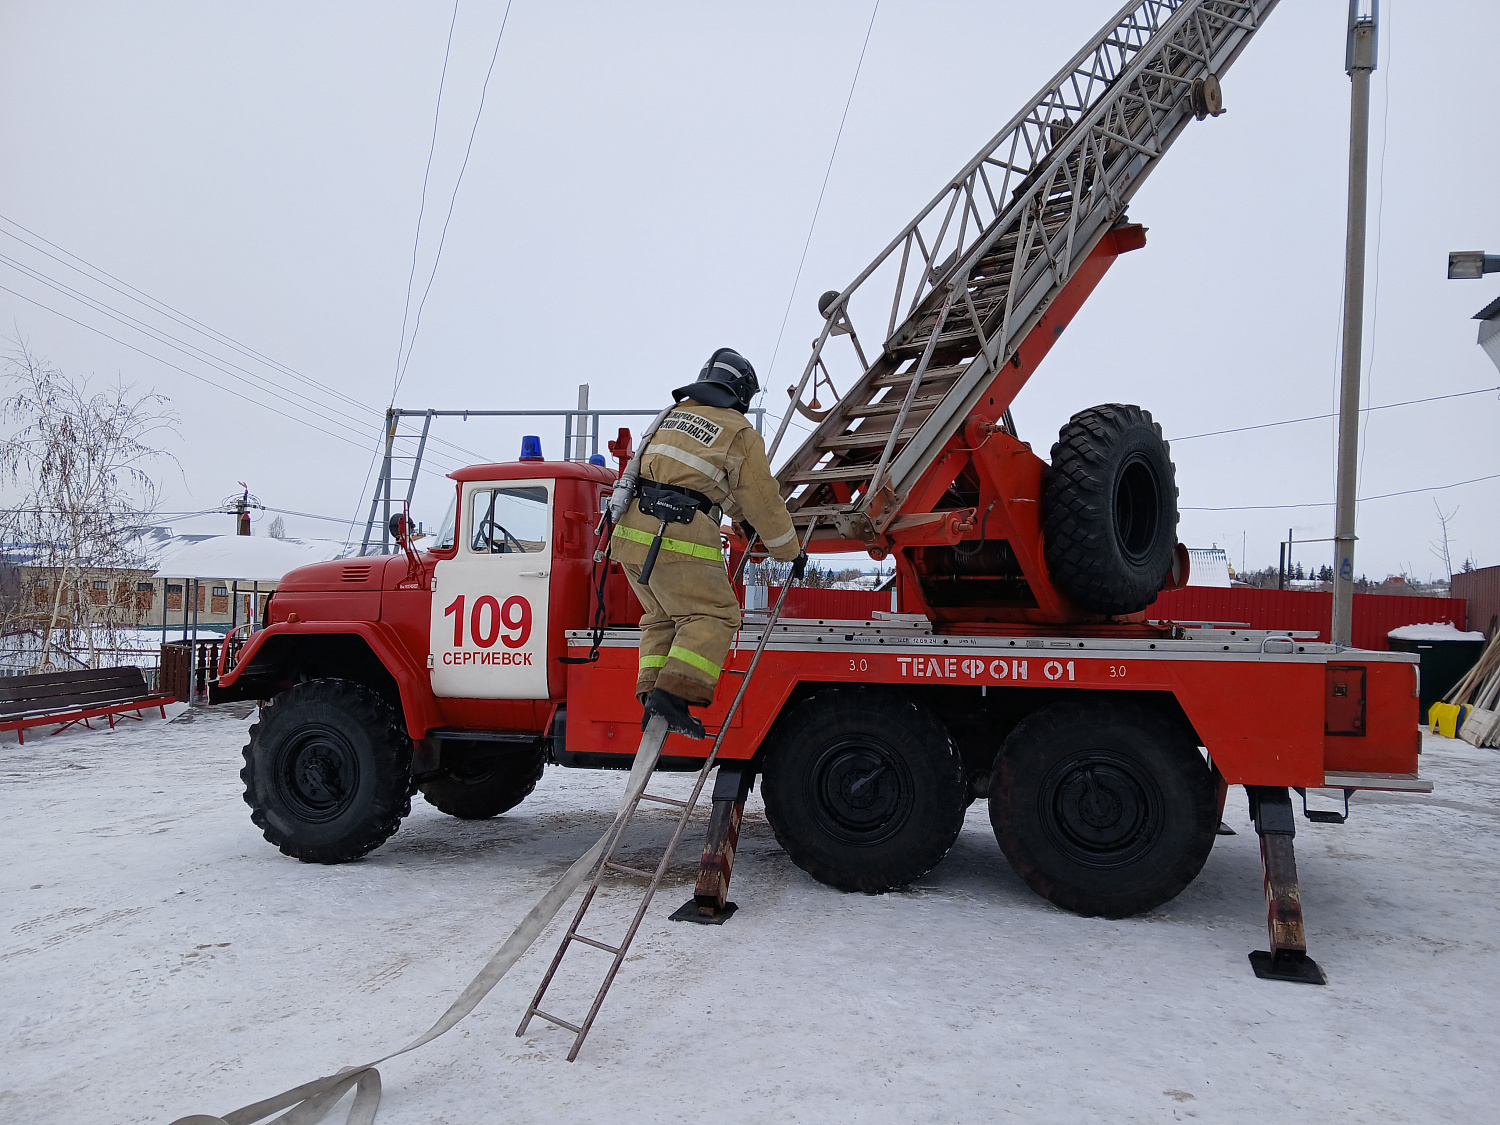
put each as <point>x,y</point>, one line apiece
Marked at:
<point>1109,510</point>
<point>864,791</point>
<point>485,779</point>
<point>328,771</point>
<point>1103,808</point>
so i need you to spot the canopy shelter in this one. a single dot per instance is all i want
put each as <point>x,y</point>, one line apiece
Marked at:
<point>244,558</point>
<point>244,564</point>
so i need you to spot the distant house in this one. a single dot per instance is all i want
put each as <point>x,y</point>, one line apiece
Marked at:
<point>224,579</point>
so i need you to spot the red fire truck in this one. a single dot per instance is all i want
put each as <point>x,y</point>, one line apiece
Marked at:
<point>1021,666</point>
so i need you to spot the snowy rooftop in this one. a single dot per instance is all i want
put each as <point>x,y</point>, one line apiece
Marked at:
<point>243,558</point>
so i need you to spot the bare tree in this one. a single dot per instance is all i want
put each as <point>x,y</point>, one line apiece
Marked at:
<point>1440,548</point>
<point>277,530</point>
<point>77,458</point>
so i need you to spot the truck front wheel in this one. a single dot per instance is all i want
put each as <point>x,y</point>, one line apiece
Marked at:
<point>328,771</point>
<point>1103,808</point>
<point>864,791</point>
<point>484,779</point>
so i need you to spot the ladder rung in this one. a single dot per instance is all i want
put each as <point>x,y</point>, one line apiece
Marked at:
<point>574,1028</point>
<point>863,441</point>
<point>823,476</point>
<point>904,378</point>
<point>815,512</point>
<point>595,944</point>
<point>628,870</point>
<point>673,801</point>
<point>882,408</point>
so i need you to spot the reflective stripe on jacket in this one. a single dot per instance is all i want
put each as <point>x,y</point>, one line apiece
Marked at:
<point>715,451</point>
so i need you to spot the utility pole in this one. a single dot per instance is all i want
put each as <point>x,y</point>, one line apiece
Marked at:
<point>581,435</point>
<point>1359,62</point>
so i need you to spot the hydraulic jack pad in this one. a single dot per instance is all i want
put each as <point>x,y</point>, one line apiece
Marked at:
<point>691,912</point>
<point>1299,969</point>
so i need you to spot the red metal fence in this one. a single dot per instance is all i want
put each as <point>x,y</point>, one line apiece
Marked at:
<point>1481,590</point>
<point>833,605</point>
<point>1375,615</point>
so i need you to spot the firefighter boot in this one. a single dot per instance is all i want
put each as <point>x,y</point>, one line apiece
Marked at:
<point>674,709</point>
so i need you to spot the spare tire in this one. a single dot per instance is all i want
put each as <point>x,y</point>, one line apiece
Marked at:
<point>1109,510</point>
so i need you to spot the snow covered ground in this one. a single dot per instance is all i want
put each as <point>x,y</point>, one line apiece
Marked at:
<point>157,958</point>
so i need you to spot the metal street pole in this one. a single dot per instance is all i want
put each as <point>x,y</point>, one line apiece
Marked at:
<point>1359,62</point>
<point>580,435</point>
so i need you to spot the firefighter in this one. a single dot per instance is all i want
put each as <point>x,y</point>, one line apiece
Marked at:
<point>703,460</point>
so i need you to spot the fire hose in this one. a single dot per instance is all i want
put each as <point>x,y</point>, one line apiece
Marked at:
<point>312,1101</point>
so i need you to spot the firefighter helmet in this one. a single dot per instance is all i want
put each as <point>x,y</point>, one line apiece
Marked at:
<point>727,380</point>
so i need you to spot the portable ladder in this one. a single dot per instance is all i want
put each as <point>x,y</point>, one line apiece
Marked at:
<point>712,879</point>
<point>956,293</point>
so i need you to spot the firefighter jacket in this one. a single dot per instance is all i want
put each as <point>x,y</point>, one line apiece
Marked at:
<point>715,451</point>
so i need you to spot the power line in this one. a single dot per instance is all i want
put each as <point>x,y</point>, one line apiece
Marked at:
<point>1320,417</point>
<point>453,199</point>
<point>422,206</point>
<point>130,292</point>
<point>254,380</point>
<point>792,296</point>
<point>177,344</point>
<point>1362,499</point>
<point>307,515</point>
<point>155,305</point>
<point>175,367</point>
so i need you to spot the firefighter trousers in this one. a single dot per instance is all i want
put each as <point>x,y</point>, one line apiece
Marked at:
<point>690,621</point>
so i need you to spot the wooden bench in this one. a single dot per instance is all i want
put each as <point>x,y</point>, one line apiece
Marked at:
<point>66,698</point>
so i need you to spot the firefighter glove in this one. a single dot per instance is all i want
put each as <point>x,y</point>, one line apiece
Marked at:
<point>747,529</point>
<point>799,567</point>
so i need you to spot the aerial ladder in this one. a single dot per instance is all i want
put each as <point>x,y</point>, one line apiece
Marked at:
<point>984,279</point>
<point>949,321</point>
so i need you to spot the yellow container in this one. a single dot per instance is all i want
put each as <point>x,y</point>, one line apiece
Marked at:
<point>1443,717</point>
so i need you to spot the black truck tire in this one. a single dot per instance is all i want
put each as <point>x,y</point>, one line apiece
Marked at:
<point>328,771</point>
<point>483,784</point>
<point>1104,808</point>
<point>864,790</point>
<point>1109,510</point>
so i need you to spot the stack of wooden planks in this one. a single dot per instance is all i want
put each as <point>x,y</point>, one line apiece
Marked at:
<point>1479,693</point>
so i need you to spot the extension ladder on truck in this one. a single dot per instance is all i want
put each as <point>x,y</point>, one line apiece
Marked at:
<point>956,294</point>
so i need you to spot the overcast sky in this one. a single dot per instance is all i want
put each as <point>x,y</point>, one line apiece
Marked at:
<point>639,189</point>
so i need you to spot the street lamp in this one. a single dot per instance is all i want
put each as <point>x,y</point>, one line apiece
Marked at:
<point>1469,265</point>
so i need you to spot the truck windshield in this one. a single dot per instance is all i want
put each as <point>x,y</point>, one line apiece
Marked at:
<point>450,522</point>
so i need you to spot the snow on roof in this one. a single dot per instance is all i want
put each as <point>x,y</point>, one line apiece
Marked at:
<point>1208,566</point>
<point>1437,631</point>
<point>244,558</point>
